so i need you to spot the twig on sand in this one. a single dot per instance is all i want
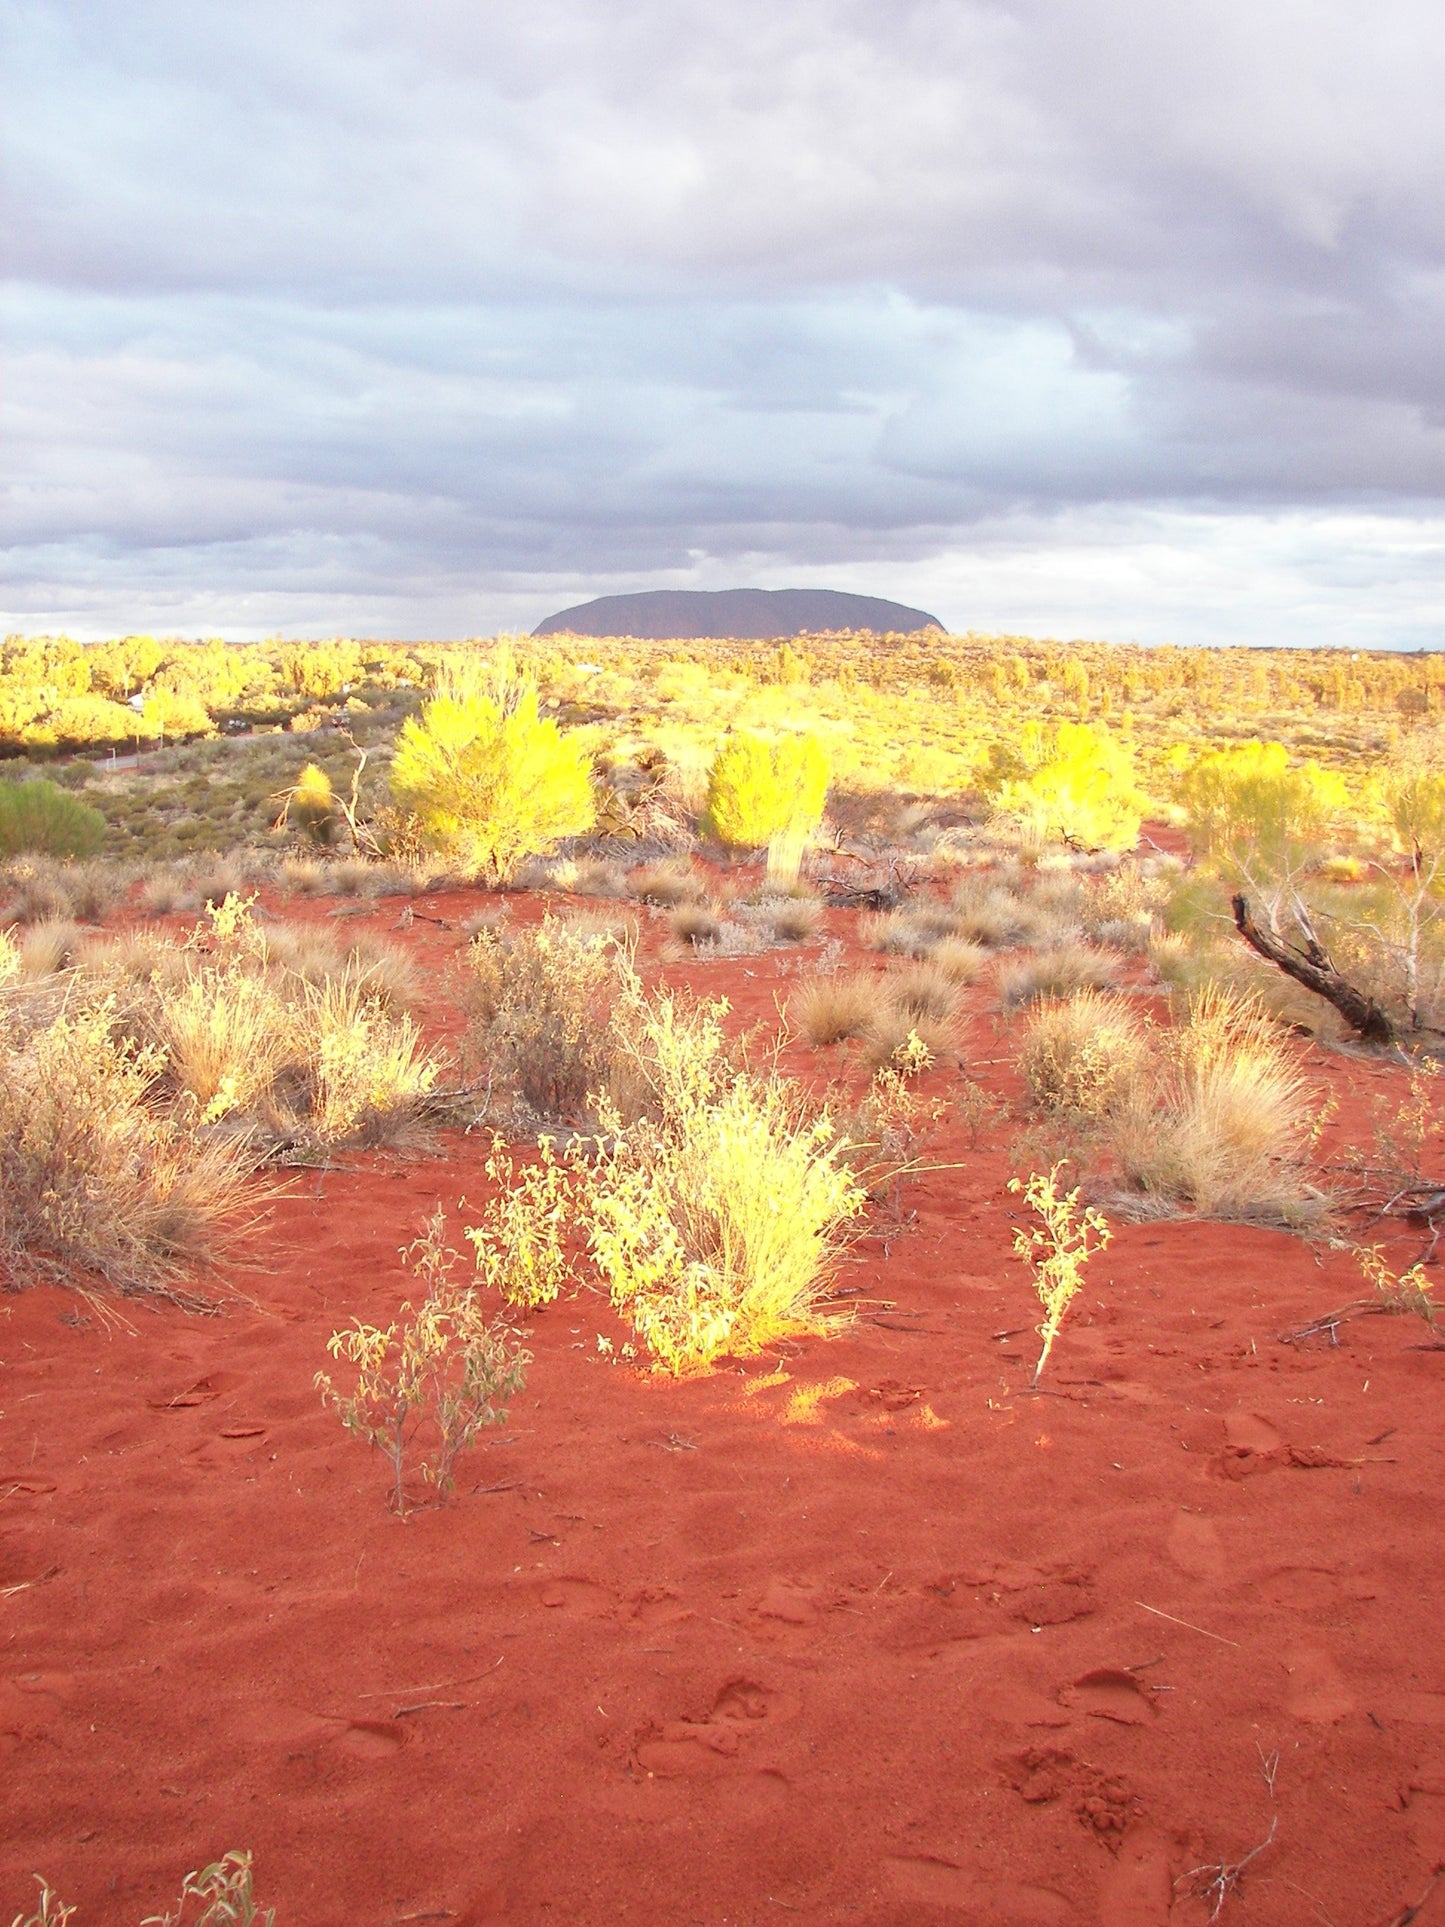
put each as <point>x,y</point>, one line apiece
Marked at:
<point>1413,1912</point>
<point>1224,1876</point>
<point>1189,1624</point>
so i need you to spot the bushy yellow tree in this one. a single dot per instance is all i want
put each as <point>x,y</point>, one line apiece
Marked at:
<point>1254,814</point>
<point>486,779</point>
<point>1074,784</point>
<point>768,790</point>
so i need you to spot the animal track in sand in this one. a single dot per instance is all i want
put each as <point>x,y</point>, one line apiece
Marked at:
<point>1110,1693</point>
<point>925,1881</point>
<point>1195,1547</point>
<point>1251,1444</point>
<point>578,1598</point>
<point>1317,1690</point>
<point>687,1749</point>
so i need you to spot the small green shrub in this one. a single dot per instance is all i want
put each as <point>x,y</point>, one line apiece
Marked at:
<point>311,805</point>
<point>216,1896</point>
<point>39,817</point>
<point>1074,784</point>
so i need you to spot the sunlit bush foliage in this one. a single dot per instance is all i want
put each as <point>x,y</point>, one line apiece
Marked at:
<point>487,780</point>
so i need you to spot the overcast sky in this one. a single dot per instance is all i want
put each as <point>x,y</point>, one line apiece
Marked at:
<point>1069,317</point>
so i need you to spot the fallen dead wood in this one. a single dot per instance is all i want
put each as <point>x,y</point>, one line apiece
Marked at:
<point>1311,967</point>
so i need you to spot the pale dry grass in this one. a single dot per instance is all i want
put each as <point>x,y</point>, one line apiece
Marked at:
<point>1085,1056</point>
<point>1227,1124</point>
<point>1055,972</point>
<point>96,1179</point>
<point>831,1009</point>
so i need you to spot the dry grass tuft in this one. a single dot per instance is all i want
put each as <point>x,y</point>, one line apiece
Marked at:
<point>1227,1123</point>
<point>666,884</point>
<point>830,1010</point>
<point>1084,1057</point>
<point>696,924</point>
<point>95,1176</point>
<point>1057,972</point>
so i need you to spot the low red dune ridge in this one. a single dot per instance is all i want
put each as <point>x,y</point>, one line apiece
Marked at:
<point>858,1632</point>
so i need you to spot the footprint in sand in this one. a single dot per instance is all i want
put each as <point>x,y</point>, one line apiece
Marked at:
<point>1317,1690</point>
<point>688,1749</point>
<point>1251,1444</point>
<point>578,1598</point>
<point>1137,1890</point>
<point>1110,1693</point>
<point>789,1603</point>
<point>1194,1545</point>
<point>923,1881</point>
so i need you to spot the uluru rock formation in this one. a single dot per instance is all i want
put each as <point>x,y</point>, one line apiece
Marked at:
<point>692,614</point>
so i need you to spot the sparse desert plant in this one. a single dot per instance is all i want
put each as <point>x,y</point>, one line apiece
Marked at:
<point>542,1002</point>
<point>39,817</point>
<point>486,779</point>
<point>1227,1121</point>
<point>989,913</point>
<point>1055,972</point>
<point>445,1371</point>
<point>1056,1249</point>
<point>226,1033</point>
<point>831,1009</point>
<point>960,961</point>
<point>768,791</point>
<point>94,1177</point>
<point>793,919</point>
<point>311,805</point>
<point>48,947</point>
<point>696,923</point>
<point>521,1242</point>
<point>901,1038</point>
<point>1403,1291</point>
<point>716,1214</point>
<point>1083,1057</point>
<point>897,933</point>
<point>922,990</point>
<point>1257,816</point>
<point>220,1895</point>
<point>371,1073</point>
<point>667,884</point>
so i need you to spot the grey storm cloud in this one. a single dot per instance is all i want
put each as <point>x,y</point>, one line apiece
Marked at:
<point>352,315</point>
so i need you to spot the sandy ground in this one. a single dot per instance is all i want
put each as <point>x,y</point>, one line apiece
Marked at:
<point>860,1632</point>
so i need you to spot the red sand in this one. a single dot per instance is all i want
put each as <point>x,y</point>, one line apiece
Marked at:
<point>865,1634</point>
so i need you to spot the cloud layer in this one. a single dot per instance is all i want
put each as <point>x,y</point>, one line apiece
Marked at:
<point>430,320</point>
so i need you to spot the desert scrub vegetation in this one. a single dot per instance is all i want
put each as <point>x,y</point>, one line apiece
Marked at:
<point>38,818</point>
<point>99,1177</point>
<point>485,779</point>
<point>1082,1057</point>
<point>427,1386</point>
<point>768,792</point>
<point>1056,1249</point>
<point>1072,784</point>
<point>879,1010</point>
<point>1211,1114</point>
<point>710,1197</point>
<point>716,1222</point>
<point>1054,972</point>
<point>220,1895</point>
<point>543,1003</point>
